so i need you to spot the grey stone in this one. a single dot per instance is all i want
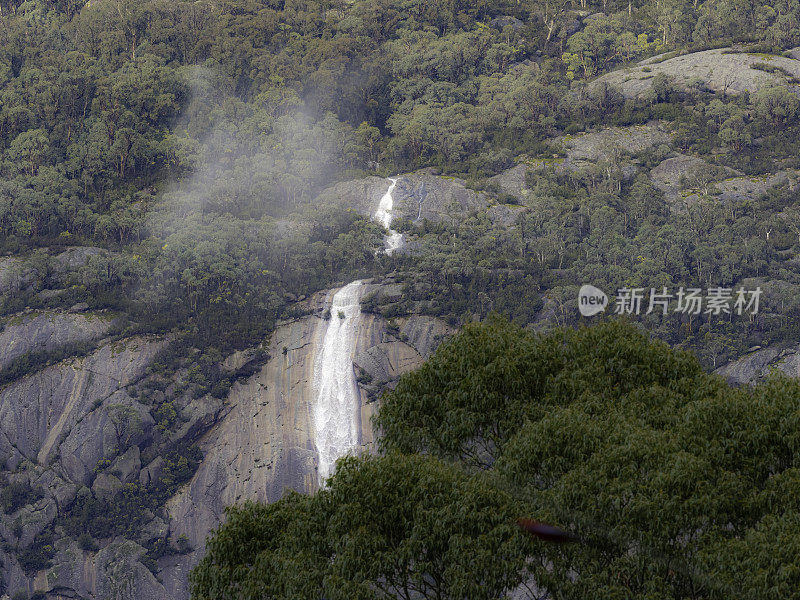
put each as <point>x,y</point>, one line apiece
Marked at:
<point>155,529</point>
<point>76,257</point>
<point>33,519</point>
<point>16,275</point>
<point>721,70</point>
<point>105,486</point>
<point>749,368</point>
<point>128,465</point>
<point>121,576</point>
<point>151,472</point>
<point>48,331</point>
<point>264,444</point>
<point>41,412</point>
<point>506,21</point>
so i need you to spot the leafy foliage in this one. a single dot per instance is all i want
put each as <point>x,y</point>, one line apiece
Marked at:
<point>403,514</point>
<point>679,485</point>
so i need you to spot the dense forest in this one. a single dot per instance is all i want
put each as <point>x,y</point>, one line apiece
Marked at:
<point>187,144</point>
<point>192,138</point>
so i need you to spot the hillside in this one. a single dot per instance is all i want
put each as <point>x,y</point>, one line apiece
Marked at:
<point>185,187</point>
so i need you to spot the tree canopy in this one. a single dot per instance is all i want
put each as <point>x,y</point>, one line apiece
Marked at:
<point>680,485</point>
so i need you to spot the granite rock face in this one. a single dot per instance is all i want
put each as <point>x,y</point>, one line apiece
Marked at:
<point>584,150</point>
<point>43,414</point>
<point>722,70</point>
<point>58,423</point>
<point>423,195</point>
<point>593,146</point>
<point>83,429</point>
<point>48,331</point>
<point>361,195</point>
<point>758,364</point>
<point>264,444</point>
<point>666,176</point>
<point>513,180</point>
<point>75,257</point>
<point>419,195</point>
<point>15,275</point>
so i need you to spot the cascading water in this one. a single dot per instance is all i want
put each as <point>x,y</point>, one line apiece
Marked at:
<point>337,406</point>
<point>384,216</point>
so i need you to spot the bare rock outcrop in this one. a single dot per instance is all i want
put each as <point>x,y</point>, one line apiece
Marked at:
<point>593,146</point>
<point>422,195</point>
<point>722,70</point>
<point>15,275</point>
<point>667,175</point>
<point>760,363</point>
<point>513,180</point>
<point>49,330</point>
<point>742,188</point>
<point>68,409</point>
<point>419,195</point>
<point>76,257</point>
<point>361,195</point>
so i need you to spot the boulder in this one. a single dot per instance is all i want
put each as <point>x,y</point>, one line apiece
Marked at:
<point>120,575</point>
<point>667,175</point>
<point>105,486</point>
<point>128,465</point>
<point>151,472</point>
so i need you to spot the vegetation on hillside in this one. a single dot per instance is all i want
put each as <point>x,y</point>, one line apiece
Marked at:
<point>190,140</point>
<point>252,106</point>
<point>679,485</point>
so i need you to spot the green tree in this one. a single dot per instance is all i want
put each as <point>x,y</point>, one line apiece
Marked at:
<point>679,485</point>
<point>386,527</point>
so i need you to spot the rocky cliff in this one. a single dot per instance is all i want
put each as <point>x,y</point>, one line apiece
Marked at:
<point>759,363</point>
<point>87,428</point>
<point>725,70</point>
<point>418,195</point>
<point>265,442</point>
<point>57,425</point>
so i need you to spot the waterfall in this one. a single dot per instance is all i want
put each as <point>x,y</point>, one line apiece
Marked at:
<point>337,406</point>
<point>384,216</point>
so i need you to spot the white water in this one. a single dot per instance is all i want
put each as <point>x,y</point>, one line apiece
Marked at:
<point>336,398</point>
<point>384,216</point>
<point>336,410</point>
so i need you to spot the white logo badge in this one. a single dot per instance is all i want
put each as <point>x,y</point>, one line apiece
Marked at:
<point>591,301</point>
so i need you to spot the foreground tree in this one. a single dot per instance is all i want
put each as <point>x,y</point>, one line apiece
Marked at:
<point>398,526</point>
<point>663,469</point>
<point>677,485</point>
